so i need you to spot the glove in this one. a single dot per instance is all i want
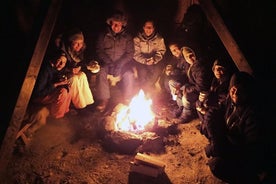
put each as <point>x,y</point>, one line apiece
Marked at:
<point>200,107</point>
<point>202,96</point>
<point>168,70</point>
<point>113,80</point>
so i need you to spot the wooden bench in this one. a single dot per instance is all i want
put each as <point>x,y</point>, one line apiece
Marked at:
<point>34,115</point>
<point>21,134</point>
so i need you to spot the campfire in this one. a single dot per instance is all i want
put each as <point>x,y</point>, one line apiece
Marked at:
<point>135,127</point>
<point>136,116</point>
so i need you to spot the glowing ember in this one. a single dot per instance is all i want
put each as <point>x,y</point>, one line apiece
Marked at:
<point>135,116</point>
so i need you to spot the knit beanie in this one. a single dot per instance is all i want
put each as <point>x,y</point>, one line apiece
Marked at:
<point>242,80</point>
<point>219,62</point>
<point>187,50</point>
<point>245,83</point>
<point>72,35</point>
<point>75,36</point>
<point>117,16</point>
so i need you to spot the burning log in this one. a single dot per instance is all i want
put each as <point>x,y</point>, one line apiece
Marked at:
<point>153,144</point>
<point>122,142</point>
<point>131,129</point>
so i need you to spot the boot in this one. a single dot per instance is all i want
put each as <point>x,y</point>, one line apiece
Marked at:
<point>177,112</point>
<point>187,115</point>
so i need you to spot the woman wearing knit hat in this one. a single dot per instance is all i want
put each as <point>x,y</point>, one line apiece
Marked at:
<point>72,43</point>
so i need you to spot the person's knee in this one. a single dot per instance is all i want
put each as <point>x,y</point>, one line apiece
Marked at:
<point>42,115</point>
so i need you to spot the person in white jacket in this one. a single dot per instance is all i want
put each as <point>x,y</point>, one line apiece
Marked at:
<point>73,44</point>
<point>149,51</point>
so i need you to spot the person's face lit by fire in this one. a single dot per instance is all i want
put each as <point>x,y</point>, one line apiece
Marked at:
<point>218,71</point>
<point>189,56</point>
<point>233,92</point>
<point>60,63</point>
<point>175,50</point>
<point>116,26</point>
<point>76,70</point>
<point>77,45</point>
<point>241,88</point>
<point>148,28</point>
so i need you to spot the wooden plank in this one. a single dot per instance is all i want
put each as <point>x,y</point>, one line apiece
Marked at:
<point>148,160</point>
<point>22,130</point>
<point>28,85</point>
<point>144,169</point>
<point>22,134</point>
<point>147,165</point>
<point>225,36</point>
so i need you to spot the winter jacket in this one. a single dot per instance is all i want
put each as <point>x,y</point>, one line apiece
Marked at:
<point>237,135</point>
<point>46,79</point>
<point>199,78</point>
<point>114,51</point>
<point>149,46</point>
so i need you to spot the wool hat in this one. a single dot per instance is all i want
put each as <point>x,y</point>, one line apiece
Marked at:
<point>117,16</point>
<point>73,34</point>
<point>243,81</point>
<point>76,36</point>
<point>219,62</point>
<point>187,50</point>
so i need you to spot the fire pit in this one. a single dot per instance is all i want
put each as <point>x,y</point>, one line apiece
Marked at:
<point>134,128</point>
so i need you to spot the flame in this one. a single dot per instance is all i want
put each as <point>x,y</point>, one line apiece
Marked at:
<point>135,116</point>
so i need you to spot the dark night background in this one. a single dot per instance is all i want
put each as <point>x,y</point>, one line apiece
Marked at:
<point>251,23</point>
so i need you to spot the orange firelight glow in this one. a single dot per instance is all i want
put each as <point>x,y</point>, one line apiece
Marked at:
<point>135,116</point>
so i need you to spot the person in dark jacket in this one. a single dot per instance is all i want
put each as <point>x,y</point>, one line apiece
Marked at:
<point>217,93</point>
<point>198,84</point>
<point>72,43</point>
<point>52,86</point>
<point>114,50</point>
<point>176,72</point>
<point>236,150</point>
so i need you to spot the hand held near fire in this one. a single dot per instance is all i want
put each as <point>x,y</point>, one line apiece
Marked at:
<point>168,70</point>
<point>176,91</point>
<point>150,61</point>
<point>201,105</point>
<point>113,80</point>
<point>62,81</point>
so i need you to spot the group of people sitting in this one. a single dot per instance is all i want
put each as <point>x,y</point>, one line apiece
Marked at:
<point>229,112</point>
<point>69,82</point>
<point>223,102</point>
<point>228,108</point>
